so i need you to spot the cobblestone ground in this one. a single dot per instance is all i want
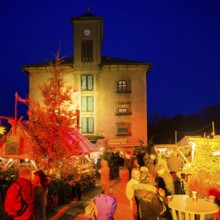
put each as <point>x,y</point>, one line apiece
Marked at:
<point>75,209</point>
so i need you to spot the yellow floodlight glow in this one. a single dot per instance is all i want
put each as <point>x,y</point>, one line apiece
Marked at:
<point>216,153</point>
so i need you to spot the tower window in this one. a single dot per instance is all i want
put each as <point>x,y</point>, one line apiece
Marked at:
<point>87,103</point>
<point>122,86</point>
<point>87,125</point>
<point>87,82</point>
<point>87,51</point>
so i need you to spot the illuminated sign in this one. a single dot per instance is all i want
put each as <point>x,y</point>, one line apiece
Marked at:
<point>12,144</point>
<point>117,141</point>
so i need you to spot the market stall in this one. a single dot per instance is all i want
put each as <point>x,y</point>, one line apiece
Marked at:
<point>15,147</point>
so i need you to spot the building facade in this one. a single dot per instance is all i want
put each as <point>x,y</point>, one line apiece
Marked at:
<point>111,93</point>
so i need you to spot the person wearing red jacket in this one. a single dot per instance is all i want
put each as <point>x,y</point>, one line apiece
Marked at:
<point>24,179</point>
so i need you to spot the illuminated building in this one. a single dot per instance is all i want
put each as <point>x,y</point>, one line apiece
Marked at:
<point>111,93</point>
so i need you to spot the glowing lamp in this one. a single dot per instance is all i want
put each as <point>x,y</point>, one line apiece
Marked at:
<point>2,130</point>
<point>216,153</point>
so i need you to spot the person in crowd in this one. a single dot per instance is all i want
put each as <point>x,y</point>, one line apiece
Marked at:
<point>141,157</point>
<point>146,181</point>
<point>128,163</point>
<point>77,187</point>
<point>41,185</point>
<point>167,177</point>
<point>135,163</point>
<point>135,178</point>
<point>102,207</point>
<point>104,174</point>
<point>151,201</point>
<point>162,185</point>
<point>151,148</point>
<point>174,162</point>
<point>146,158</point>
<point>24,180</point>
<point>150,165</point>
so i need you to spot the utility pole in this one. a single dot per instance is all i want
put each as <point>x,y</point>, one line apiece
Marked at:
<point>15,112</point>
<point>175,137</point>
<point>213,129</point>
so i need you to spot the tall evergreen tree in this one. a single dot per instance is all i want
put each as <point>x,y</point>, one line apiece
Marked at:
<point>52,122</point>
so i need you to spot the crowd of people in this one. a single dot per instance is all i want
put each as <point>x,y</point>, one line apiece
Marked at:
<point>149,184</point>
<point>147,195</point>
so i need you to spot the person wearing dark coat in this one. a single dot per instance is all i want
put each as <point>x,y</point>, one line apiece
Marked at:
<point>151,205</point>
<point>150,200</point>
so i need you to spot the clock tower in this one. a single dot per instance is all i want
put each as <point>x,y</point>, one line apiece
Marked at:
<point>87,39</point>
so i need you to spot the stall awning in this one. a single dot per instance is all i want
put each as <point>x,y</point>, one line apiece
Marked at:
<point>124,142</point>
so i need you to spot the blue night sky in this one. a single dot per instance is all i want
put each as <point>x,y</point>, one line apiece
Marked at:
<point>180,38</point>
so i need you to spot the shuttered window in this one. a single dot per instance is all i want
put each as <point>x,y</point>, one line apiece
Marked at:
<point>87,103</point>
<point>87,125</point>
<point>87,82</point>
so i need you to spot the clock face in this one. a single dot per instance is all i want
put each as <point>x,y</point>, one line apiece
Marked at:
<point>87,32</point>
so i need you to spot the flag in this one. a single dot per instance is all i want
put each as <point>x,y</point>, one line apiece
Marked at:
<point>18,98</point>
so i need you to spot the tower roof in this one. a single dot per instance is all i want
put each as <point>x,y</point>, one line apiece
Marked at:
<point>88,14</point>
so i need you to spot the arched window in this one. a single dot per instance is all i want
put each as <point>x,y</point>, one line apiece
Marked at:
<point>122,86</point>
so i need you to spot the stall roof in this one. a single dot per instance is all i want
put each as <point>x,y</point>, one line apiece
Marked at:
<point>22,138</point>
<point>165,146</point>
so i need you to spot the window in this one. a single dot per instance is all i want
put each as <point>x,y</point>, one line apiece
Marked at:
<point>87,82</point>
<point>87,125</point>
<point>122,86</point>
<point>87,103</point>
<point>86,51</point>
<point>123,129</point>
<point>123,108</point>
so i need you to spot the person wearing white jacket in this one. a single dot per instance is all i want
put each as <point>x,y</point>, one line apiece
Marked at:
<point>135,178</point>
